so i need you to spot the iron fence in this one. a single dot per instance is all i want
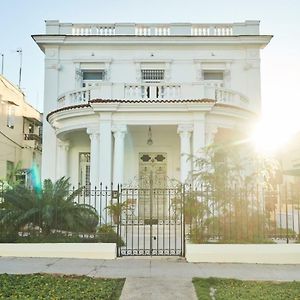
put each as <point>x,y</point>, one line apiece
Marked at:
<point>248,214</point>
<point>152,221</point>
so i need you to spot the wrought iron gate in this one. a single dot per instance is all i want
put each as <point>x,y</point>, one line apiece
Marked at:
<point>151,222</point>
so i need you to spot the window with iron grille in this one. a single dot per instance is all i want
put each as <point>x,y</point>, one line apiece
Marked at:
<point>153,75</point>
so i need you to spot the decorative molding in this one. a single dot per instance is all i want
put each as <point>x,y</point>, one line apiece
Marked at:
<point>92,130</point>
<point>119,128</point>
<point>185,128</point>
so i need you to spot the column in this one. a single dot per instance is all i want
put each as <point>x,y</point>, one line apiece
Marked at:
<point>199,135</point>
<point>185,132</point>
<point>198,140</point>
<point>118,171</point>
<point>62,159</point>
<point>105,150</point>
<point>94,155</point>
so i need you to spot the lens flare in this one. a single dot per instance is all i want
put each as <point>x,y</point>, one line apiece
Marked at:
<point>36,179</point>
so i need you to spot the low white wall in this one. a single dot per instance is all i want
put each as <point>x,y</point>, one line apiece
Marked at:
<point>63,250</point>
<point>246,253</point>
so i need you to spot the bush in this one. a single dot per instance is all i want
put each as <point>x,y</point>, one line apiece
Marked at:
<point>107,234</point>
<point>43,286</point>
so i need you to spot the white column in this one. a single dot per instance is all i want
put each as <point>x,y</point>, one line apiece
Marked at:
<point>185,132</point>
<point>199,135</point>
<point>94,154</point>
<point>62,161</point>
<point>118,171</point>
<point>105,150</point>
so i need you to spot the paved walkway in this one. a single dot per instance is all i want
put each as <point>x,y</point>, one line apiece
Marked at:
<point>150,278</point>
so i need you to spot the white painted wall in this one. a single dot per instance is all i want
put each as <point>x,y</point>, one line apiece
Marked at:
<point>250,253</point>
<point>62,250</point>
<point>183,58</point>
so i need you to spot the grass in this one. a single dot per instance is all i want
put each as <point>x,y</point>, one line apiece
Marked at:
<point>55,287</point>
<point>227,289</point>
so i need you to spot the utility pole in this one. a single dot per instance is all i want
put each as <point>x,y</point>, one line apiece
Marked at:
<point>20,70</point>
<point>2,63</point>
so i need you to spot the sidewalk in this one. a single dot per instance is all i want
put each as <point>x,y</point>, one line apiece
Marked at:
<point>150,278</point>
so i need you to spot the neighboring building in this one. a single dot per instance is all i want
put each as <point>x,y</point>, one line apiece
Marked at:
<point>124,100</point>
<point>20,133</point>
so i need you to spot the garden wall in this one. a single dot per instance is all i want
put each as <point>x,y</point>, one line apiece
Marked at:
<point>62,250</point>
<point>244,253</point>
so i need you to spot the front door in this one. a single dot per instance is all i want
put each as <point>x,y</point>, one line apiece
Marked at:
<point>152,171</point>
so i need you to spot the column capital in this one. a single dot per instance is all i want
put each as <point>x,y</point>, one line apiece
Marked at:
<point>92,130</point>
<point>119,128</point>
<point>185,128</point>
<point>63,145</point>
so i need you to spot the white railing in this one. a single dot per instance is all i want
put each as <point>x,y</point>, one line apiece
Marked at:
<point>75,97</point>
<point>212,29</point>
<point>154,29</point>
<point>226,96</point>
<point>93,29</point>
<point>152,91</point>
<point>157,30</point>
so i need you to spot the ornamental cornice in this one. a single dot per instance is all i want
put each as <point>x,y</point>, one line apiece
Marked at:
<point>259,40</point>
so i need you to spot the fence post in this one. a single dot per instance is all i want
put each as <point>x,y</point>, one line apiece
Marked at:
<point>286,215</point>
<point>183,219</point>
<point>119,188</point>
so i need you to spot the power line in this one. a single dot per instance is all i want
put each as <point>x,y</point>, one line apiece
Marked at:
<point>11,140</point>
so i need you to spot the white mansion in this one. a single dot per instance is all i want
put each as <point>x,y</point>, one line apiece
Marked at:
<point>125,99</point>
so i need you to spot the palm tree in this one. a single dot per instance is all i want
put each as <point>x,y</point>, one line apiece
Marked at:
<point>53,208</point>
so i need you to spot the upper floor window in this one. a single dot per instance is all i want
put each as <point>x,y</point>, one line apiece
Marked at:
<point>11,111</point>
<point>213,75</point>
<point>92,77</point>
<point>153,75</point>
<point>214,78</point>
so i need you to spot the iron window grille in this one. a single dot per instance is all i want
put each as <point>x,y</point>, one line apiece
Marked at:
<point>153,75</point>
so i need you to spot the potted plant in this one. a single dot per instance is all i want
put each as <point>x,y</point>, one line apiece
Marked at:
<point>115,210</point>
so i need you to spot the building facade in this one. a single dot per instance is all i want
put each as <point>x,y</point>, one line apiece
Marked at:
<point>125,100</point>
<point>20,133</point>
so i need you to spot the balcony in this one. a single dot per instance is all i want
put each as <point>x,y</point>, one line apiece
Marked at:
<point>153,29</point>
<point>154,91</point>
<point>32,137</point>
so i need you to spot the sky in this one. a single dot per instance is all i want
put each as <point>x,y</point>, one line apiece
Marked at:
<point>280,60</point>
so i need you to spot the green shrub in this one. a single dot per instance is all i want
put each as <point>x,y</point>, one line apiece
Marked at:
<point>228,289</point>
<point>107,234</point>
<point>43,286</point>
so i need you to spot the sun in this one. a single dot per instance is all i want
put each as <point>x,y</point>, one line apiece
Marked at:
<point>269,138</point>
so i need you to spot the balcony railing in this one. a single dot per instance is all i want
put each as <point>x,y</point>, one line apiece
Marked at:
<point>153,29</point>
<point>32,137</point>
<point>154,91</point>
<point>230,97</point>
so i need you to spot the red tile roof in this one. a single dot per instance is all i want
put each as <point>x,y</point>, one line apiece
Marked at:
<point>152,101</point>
<point>136,101</point>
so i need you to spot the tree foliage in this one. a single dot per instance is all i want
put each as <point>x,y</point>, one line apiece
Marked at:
<point>53,208</point>
<point>230,180</point>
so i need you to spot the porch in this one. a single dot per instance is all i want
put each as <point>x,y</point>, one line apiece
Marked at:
<point>125,154</point>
